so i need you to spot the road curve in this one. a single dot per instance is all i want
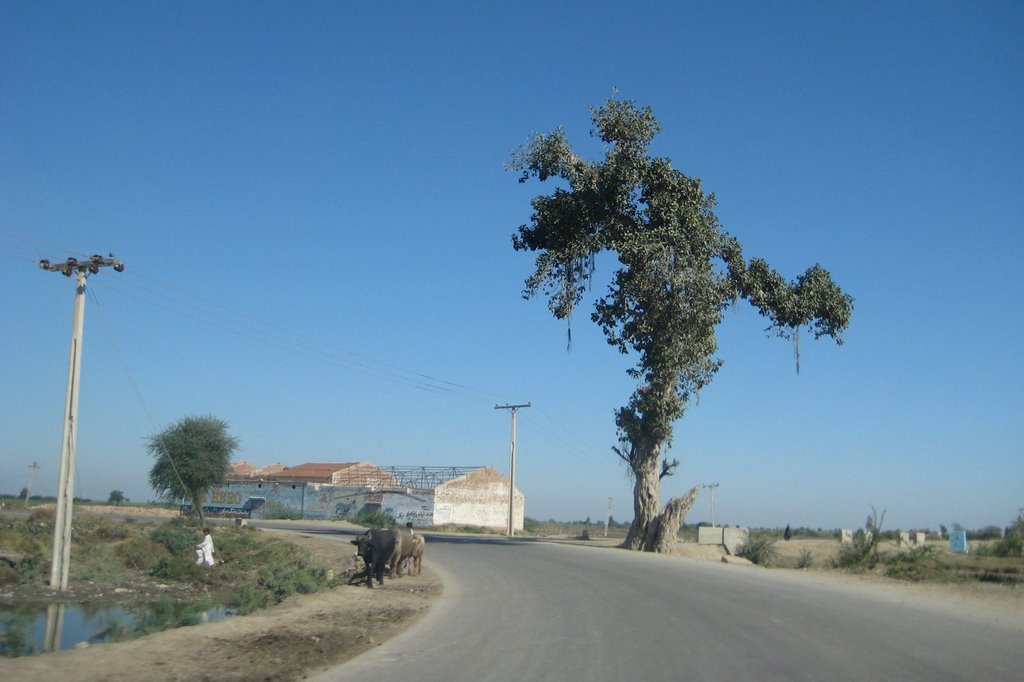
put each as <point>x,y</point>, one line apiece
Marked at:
<point>520,610</point>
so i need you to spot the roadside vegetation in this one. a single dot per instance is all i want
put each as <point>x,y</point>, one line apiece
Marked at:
<point>151,568</point>
<point>996,555</point>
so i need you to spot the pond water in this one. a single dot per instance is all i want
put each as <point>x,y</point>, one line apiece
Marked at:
<point>39,628</point>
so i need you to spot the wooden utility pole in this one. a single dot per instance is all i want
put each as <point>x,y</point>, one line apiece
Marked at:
<point>61,562</point>
<point>510,531</point>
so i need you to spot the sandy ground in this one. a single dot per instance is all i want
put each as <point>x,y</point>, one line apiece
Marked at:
<point>311,633</point>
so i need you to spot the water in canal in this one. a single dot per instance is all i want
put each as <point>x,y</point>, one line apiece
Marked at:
<point>33,628</point>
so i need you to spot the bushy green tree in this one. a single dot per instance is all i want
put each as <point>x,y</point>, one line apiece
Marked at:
<point>116,497</point>
<point>192,456</point>
<point>678,271</point>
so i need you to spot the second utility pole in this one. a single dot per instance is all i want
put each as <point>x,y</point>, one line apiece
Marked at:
<point>511,466</point>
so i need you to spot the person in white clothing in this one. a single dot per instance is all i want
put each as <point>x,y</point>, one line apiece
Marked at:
<point>204,550</point>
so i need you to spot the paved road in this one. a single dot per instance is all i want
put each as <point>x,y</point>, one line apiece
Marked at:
<point>530,611</point>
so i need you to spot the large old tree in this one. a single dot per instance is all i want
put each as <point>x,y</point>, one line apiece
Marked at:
<point>678,271</point>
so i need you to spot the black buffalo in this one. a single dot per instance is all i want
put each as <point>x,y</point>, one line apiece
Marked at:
<point>376,547</point>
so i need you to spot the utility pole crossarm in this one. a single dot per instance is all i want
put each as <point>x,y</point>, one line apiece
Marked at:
<point>510,531</point>
<point>92,265</point>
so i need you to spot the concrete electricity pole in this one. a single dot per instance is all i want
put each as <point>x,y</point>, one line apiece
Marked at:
<point>711,490</point>
<point>61,562</point>
<point>608,517</point>
<point>511,465</point>
<point>31,476</point>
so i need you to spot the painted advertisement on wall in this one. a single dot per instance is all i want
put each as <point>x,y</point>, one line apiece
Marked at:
<point>416,507</point>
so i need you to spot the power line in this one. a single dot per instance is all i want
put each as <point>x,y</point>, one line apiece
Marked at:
<point>211,313</point>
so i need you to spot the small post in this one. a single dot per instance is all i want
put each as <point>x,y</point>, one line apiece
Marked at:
<point>510,531</point>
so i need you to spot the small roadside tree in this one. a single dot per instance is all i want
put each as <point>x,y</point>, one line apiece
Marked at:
<point>679,271</point>
<point>116,497</point>
<point>192,456</point>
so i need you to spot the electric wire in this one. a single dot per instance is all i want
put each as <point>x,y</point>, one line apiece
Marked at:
<point>153,292</point>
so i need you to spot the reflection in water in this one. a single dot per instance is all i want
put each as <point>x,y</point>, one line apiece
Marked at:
<point>34,628</point>
<point>54,627</point>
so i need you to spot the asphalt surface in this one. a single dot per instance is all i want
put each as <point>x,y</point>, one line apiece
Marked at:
<point>521,610</point>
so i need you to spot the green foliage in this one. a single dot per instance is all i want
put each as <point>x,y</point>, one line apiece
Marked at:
<point>166,613</point>
<point>758,549</point>
<point>175,537</point>
<point>275,569</point>
<point>679,270</point>
<point>16,631</point>
<point>32,539</point>
<point>862,552</point>
<point>1012,544</point>
<point>116,497</point>
<point>191,456</point>
<point>87,529</point>
<point>254,569</point>
<point>32,569</point>
<point>918,564</point>
<point>986,533</point>
<point>248,598</point>
<point>375,519</point>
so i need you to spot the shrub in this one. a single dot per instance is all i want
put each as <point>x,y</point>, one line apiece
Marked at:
<point>758,549</point>
<point>176,538</point>
<point>32,569</point>
<point>805,559</point>
<point>1012,544</point>
<point>89,529</point>
<point>916,564</point>
<point>375,519</point>
<point>862,553</point>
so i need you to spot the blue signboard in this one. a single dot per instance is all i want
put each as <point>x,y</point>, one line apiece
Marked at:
<point>958,541</point>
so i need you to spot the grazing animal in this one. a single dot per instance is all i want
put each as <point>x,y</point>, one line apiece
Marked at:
<point>376,548</point>
<point>416,558</point>
<point>402,550</point>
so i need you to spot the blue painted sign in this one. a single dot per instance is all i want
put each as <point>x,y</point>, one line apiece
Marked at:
<point>958,541</point>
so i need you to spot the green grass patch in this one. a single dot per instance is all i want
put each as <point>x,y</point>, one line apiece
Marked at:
<point>759,549</point>
<point>254,569</point>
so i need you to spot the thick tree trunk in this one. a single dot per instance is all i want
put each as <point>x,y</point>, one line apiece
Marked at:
<point>665,530</point>
<point>654,529</point>
<point>646,496</point>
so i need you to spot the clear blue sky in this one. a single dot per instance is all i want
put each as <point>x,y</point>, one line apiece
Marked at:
<point>312,205</point>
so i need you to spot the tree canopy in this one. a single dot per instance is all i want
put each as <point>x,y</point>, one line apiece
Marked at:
<point>679,270</point>
<point>192,456</point>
